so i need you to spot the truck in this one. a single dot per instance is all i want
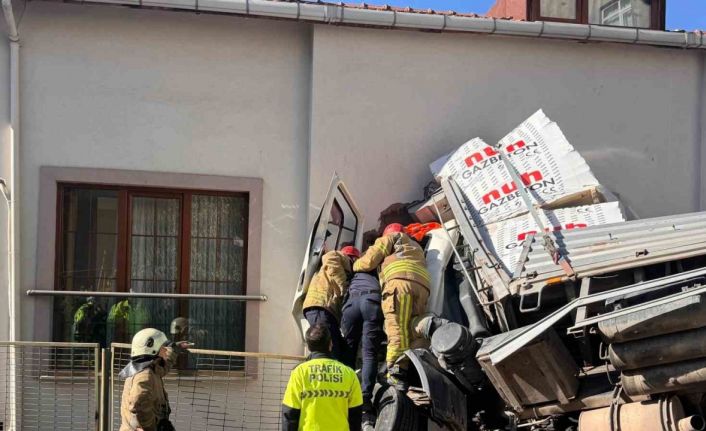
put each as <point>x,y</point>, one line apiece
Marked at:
<point>601,328</point>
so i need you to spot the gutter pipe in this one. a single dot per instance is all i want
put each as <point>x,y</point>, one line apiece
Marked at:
<point>12,196</point>
<point>14,180</point>
<point>343,15</point>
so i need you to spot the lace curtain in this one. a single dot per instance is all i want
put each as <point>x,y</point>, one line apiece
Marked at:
<point>217,261</point>
<point>216,266</point>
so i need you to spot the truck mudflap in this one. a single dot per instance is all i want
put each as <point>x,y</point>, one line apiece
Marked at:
<point>447,403</point>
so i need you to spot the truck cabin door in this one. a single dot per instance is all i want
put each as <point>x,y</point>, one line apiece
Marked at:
<point>338,224</point>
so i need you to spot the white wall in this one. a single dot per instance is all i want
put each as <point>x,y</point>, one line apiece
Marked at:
<point>4,173</point>
<point>108,87</point>
<point>112,87</point>
<point>386,103</point>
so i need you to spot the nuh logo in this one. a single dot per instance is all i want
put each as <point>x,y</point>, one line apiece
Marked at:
<point>487,152</point>
<point>528,179</point>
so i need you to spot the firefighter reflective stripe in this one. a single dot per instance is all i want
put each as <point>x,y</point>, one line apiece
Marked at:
<point>323,389</point>
<point>405,313</point>
<point>381,247</point>
<point>401,266</point>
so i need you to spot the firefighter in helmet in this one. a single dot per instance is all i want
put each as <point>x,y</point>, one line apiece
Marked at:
<point>145,405</point>
<point>324,297</point>
<point>405,291</point>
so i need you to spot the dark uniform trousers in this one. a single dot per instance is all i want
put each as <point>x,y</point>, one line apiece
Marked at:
<point>316,315</point>
<point>363,319</point>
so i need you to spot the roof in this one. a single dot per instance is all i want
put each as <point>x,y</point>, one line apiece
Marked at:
<point>513,9</point>
<point>388,17</point>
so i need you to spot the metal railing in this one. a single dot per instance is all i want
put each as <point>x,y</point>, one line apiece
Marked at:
<point>50,386</point>
<point>73,386</point>
<point>216,390</point>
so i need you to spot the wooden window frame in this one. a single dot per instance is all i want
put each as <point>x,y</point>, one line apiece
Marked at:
<point>657,14</point>
<point>48,217</point>
<point>124,234</point>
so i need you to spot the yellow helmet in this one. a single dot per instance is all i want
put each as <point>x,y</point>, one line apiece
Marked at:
<point>148,342</point>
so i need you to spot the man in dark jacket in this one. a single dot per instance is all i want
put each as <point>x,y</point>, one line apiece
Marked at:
<point>322,393</point>
<point>363,319</point>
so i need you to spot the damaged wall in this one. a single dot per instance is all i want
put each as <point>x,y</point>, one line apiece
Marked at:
<point>385,106</point>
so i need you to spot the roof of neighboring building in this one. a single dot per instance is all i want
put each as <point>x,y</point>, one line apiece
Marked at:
<point>389,17</point>
<point>512,9</point>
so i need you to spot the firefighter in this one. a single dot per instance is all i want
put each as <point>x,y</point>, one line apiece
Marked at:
<point>89,322</point>
<point>405,290</point>
<point>326,291</point>
<point>322,393</point>
<point>361,323</point>
<point>144,405</point>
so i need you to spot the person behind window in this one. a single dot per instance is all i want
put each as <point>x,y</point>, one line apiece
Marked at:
<point>322,393</point>
<point>144,405</point>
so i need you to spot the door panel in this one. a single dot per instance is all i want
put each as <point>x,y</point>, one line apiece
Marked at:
<point>338,224</point>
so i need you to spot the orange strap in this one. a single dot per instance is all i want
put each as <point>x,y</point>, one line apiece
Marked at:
<point>419,230</point>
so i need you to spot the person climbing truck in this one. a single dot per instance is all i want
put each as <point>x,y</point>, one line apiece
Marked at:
<point>362,324</point>
<point>144,405</point>
<point>405,290</point>
<point>325,295</point>
<point>322,393</point>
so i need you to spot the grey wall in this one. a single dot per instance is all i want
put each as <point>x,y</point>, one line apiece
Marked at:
<point>110,87</point>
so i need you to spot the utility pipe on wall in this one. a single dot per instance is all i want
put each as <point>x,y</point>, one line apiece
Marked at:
<point>13,201</point>
<point>13,216</point>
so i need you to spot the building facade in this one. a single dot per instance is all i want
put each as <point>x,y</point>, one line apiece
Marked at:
<point>173,151</point>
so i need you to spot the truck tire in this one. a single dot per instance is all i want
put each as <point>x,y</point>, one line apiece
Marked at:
<point>397,412</point>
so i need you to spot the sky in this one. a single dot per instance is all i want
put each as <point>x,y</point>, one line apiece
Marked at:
<point>681,14</point>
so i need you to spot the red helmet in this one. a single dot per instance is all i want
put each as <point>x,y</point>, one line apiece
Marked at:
<point>393,228</point>
<point>351,251</point>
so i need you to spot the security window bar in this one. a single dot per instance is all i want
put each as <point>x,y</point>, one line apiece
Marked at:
<point>117,239</point>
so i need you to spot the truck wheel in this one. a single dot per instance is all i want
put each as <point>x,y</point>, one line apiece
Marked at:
<point>397,412</point>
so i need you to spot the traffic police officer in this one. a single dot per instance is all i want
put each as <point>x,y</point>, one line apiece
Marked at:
<point>322,393</point>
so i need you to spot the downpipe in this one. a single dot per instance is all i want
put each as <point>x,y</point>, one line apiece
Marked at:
<point>12,194</point>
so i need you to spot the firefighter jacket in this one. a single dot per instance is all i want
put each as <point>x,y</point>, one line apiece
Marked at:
<point>399,257</point>
<point>322,395</point>
<point>329,284</point>
<point>144,402</point>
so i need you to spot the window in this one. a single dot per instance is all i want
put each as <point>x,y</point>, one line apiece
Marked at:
<point>562,9</point>
<point>150,240</point>
<point>622,13</point>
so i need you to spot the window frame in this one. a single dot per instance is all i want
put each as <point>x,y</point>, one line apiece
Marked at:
<point>657,14</point>
<point>126,194</point>
<point>50,219</point>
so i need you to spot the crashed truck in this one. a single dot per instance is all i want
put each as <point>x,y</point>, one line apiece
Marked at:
<point>560,314</point>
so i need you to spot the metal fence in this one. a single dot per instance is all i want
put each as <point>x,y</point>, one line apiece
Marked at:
<point>217,390</point>
<point>72,386</point>
<point>50,386</point>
